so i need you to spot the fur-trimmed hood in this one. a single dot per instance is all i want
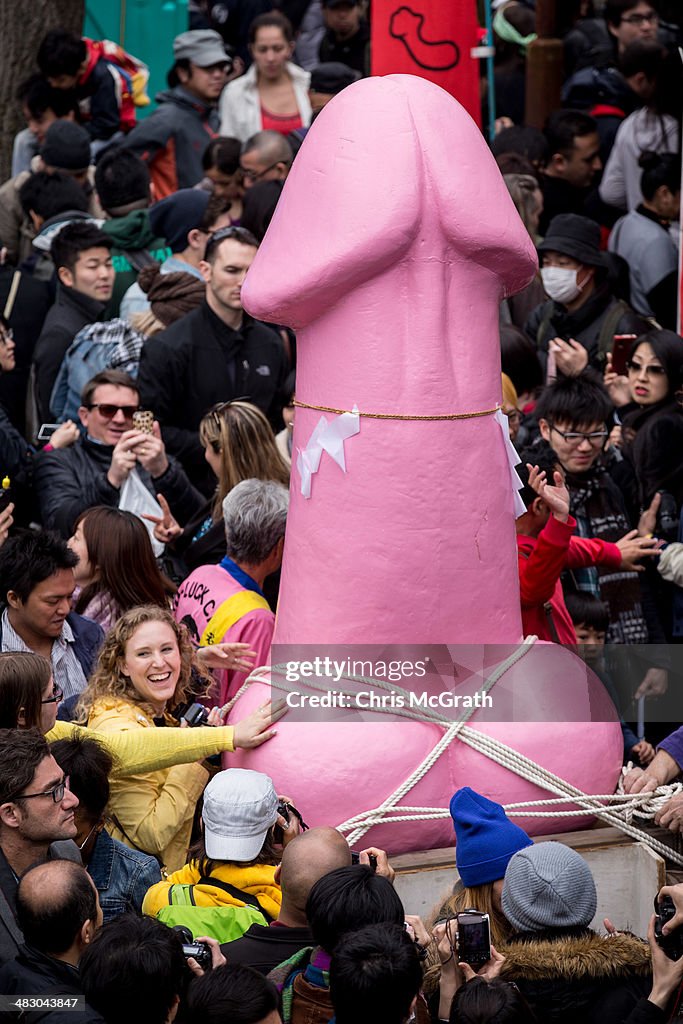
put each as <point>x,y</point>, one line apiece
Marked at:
<point>577,957</point>
<point>597,977</point>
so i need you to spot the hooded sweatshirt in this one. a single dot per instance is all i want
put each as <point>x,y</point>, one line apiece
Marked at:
<point>133,242</point>
<point>172,140</point>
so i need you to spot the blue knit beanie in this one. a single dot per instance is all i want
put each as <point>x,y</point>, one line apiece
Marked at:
<point>485,838</point>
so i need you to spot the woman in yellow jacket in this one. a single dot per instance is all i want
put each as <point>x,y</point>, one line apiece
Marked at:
<point>29,699</point>
<point>144,668</point>
<point>239,813</point>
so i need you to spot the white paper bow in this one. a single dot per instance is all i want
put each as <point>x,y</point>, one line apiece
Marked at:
<point>513,460</point>
<point>327,437</point>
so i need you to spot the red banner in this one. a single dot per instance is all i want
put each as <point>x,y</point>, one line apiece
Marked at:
<point>432,39</point>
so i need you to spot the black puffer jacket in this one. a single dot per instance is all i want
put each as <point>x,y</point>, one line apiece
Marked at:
<point>70,480</point>
<point>579,975</point>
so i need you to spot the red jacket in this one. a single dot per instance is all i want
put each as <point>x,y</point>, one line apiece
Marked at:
<point>541,560</point>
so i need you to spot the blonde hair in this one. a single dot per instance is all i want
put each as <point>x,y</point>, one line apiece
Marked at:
<point>523,189</point>
<point>242,436</point>
<point>479,897</point>
<point>509,394</point>
<point>145,322</point>
<point>109,679</point>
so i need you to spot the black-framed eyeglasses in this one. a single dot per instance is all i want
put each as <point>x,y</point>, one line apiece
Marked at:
<point>109,411</point>
<point>253,176</point>
<point>239,234</point>
<point>650,369</point>
<point>651,18</point>
<point>596,438</point>
<point>57,792</point>
<point>6,334</point>
<point>57,695</point>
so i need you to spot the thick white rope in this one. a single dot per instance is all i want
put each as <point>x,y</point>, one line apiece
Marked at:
<point>620,814</point>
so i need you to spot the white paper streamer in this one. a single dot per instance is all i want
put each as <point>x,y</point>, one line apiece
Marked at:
<point>327,437</point>
<point>513,460</point>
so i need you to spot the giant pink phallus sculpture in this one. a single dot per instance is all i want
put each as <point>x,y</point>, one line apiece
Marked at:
<point>390,250</point>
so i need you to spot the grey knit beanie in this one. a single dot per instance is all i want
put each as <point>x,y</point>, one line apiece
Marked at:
<point>548,885</point>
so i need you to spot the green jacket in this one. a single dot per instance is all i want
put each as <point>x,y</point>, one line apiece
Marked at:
<point>133,242</point>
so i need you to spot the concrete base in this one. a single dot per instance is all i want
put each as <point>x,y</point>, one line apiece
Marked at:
<point>627,875</point>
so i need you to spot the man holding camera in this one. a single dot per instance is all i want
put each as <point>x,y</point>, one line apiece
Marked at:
<point>93,470</point>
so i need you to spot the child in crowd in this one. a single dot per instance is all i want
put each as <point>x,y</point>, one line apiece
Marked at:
<point>590,617</point>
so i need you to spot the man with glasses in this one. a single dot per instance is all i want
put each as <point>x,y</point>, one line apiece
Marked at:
<point>630,21</point>
<point>212,355</point>
<point>574,415</point>
<point>36,821</point>
<point>266,156</point>
<point>547,545</point>
<point>576,327</point>
<point>93,470</point>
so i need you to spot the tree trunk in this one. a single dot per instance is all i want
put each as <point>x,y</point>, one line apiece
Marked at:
<point>24,24</point>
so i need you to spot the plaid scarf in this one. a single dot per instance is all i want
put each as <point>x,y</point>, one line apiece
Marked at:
<point>597,506</point>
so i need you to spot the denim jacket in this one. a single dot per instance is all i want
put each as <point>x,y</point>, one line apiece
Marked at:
<point>122,876</point>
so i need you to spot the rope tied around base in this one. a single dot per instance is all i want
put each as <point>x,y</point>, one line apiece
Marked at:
<point>615,809</point>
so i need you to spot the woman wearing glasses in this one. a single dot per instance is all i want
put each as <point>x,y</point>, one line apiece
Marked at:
<point>29,699</point>
<point>274,92</point>
<point>652,419</point>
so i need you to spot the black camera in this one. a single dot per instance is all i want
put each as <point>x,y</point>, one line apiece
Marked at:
<point>355,859</point>
<point>285,810</point>
<point>194,714</point>
<point>672,944</point>
<point>200,951</point>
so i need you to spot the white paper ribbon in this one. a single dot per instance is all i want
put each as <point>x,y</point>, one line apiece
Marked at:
<point>327,437</point>
<point>513,460</point>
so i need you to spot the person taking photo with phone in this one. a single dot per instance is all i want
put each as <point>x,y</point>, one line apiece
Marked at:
<point>93,471</point>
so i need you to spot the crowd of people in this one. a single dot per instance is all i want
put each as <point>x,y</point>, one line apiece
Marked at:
<point>146,424</point>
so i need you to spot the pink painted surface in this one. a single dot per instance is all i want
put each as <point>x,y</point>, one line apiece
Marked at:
<point>390,250</point>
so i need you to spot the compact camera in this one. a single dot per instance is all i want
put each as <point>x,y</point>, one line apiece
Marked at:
<point>474,938</point>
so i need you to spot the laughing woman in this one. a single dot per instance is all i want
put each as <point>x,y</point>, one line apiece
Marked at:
<point>143,671</point>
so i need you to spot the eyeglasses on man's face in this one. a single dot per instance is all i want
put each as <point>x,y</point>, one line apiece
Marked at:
<point>57,792</point>
<point>596,438</point>
<point>638,20</point>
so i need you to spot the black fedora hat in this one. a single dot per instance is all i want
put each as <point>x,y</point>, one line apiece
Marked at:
<point>574,236</point>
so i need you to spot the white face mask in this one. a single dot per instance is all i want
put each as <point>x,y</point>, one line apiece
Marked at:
<point>561,284</point>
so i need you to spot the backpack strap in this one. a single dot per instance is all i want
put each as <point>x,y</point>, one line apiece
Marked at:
<point>229,612</point>
<point>13,289</point>
<point>609,327</point>
<point>546,321</point>
<point>139,258</point>
<point>238,894</point>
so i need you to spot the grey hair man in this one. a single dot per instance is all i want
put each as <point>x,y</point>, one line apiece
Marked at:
<point>224,603</point>
<point>266,156</point>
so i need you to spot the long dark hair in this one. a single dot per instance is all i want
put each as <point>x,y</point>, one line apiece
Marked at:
<point>23,678</point>
<point>668,347</point>
<point>120,549</point>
